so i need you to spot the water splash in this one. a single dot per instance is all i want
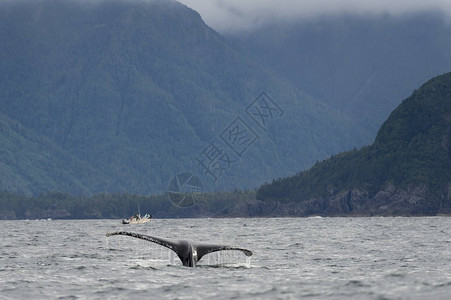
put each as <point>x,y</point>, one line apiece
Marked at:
<point>171,257</point>
<point>226,258</point>
<point>248,261</point>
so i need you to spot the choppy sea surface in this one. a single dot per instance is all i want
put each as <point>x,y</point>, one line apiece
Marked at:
<point>316,258</point>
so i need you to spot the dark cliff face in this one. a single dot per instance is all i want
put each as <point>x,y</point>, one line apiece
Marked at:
<point>405,172</point>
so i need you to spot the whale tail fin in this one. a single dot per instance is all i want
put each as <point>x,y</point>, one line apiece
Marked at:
<point>160,241</point>
<point>189,253</point>
<point>203,249</point>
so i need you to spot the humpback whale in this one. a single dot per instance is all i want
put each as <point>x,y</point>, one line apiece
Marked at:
<point>188,252</point>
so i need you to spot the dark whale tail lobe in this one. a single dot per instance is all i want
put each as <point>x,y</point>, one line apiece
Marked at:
<point>188,252</point>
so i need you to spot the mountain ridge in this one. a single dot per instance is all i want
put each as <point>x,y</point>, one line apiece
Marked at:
<point>345,59</point>
<point>135,91</point>
<point>405,171</point>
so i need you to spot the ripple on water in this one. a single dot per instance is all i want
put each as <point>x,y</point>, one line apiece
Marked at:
<point>327,258</point>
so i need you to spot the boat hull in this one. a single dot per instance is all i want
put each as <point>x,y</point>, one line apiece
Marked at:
<point>135,221</point>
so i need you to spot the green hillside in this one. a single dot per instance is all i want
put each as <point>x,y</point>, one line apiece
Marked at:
<point>412,150</point>
<point>29,161</point>
<point>119,96</point>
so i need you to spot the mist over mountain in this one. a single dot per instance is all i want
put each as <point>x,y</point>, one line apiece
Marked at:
<point>120,96</point>
<point>235,16</point>
<point>361,64</point>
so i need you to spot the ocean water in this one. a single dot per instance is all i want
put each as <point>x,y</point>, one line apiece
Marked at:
<point>315,258</point>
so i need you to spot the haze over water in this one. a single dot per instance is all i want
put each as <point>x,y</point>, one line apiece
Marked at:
<point>319,258</point>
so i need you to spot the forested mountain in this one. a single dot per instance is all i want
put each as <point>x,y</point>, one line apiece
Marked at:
<point>29,162</point>
<point>119,96</point>
<point>361,64</point>
<point>407,170</point>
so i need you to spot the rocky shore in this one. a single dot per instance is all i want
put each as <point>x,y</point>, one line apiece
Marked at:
<point>391,201</point>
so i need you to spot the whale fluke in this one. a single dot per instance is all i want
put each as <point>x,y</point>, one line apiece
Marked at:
<point>188,252</point>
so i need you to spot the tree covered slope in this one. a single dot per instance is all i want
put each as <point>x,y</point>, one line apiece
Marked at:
<point>123,95</point>
<point>408,164</point>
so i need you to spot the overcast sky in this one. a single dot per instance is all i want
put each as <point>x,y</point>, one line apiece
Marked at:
<point>231,15</point>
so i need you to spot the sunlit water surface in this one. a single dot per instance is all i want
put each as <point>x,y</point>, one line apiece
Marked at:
<point>318,258</point>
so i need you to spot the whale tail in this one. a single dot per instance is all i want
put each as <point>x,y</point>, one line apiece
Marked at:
<point>188,252</point>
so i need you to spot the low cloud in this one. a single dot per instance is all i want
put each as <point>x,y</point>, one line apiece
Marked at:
<point>238,15</point>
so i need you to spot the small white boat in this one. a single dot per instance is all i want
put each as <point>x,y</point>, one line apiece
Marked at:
<point>137,219</point>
